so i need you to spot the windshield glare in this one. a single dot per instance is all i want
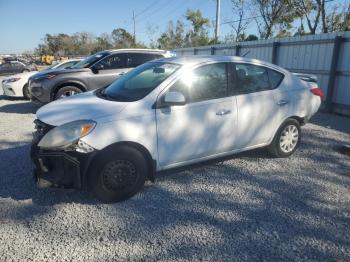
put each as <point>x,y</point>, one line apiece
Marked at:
<point>139,82</point>
<point>89,61</point>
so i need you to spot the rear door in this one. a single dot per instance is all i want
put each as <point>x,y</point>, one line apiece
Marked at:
<point>263,103</point>
<point>205,125</point>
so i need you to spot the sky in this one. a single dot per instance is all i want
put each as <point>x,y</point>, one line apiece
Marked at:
<point>23,23</point>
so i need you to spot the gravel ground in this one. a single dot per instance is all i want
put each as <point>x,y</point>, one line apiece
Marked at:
<point>248,207</point>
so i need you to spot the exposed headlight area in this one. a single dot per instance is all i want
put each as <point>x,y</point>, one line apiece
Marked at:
<point>67,137</point>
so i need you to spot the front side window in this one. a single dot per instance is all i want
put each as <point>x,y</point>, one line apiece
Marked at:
<point>204,83</point>
<point>90,60</point>
<point>112,62</point>
<point>139,82</point>
<point>252,78</point>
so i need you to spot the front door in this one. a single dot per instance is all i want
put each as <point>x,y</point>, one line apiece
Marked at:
<point>109,69</point>
<point>205,125</point>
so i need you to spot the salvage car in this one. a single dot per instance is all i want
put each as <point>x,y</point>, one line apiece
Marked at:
<point>96,71</point>
<point>169,113</point>
<point>17,85</point>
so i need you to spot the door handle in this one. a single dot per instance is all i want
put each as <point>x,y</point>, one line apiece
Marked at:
<point>282,102</point>
<point>122,73</point>
<point>223,112</point>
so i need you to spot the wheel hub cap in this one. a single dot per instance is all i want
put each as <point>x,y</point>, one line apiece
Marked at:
<point>289,138</point>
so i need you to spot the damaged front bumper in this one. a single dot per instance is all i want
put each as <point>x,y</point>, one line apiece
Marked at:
<point>58,168</point>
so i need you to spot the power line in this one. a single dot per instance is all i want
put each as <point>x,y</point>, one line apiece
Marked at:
<point>156,10</point>
<point>243,19</point>
<point>148,7</point>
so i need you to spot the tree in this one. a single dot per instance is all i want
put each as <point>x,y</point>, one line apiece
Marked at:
<point>240,25</point>
<point>103,42</point>
<point>251,38</point>
<point>339,19</point>
<point>198,34</point>
<point>172,37</point>
<point>122,38</point>
<point>310,10</point>
<point>272,13</point>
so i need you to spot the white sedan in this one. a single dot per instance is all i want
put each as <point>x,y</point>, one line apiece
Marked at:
<point>169,113</point>
<point>17,85</point>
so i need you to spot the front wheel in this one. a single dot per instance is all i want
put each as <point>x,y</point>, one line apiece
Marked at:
<point>118,175</point>
<point>67,91</point>
<point>26,93</point>
<point>287,139</point>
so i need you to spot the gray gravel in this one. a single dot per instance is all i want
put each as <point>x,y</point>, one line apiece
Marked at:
<point>249,207</point>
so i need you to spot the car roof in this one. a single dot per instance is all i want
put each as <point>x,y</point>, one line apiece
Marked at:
<point>142,50</point>
<point>199,59</point>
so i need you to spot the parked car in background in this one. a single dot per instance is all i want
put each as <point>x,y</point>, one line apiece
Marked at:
<point>96,71</point>
<point>169,113</point>
<point>17,85</point>
<point>14,67</point>
<point>64,64</point>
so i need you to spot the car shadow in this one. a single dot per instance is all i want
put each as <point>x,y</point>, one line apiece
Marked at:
<point>25,107</point>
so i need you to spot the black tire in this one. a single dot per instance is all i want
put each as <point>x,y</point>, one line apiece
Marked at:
<point>67,91</point>
<point>117,174</point>
<point>277,147</point>
<point>26,93</point>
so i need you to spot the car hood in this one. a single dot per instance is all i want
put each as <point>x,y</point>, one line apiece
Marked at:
<point>58,72</point>
<point>85,106</point>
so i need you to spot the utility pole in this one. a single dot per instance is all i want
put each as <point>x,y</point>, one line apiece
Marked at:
<point>133,18</point>
<point>217,24</point>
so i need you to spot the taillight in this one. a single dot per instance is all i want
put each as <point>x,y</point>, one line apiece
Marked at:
<point>317,92</point>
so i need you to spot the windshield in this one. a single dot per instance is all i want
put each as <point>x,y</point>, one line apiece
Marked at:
<point>89,61</point>
<point>139,82</point>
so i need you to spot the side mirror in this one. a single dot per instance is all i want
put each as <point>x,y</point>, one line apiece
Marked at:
<point>94,70</point>
<point>174,99</point>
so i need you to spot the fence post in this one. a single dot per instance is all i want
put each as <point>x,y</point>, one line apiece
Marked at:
<point>212,50</point>
<point>195,51</point>
<point>333,73</point>
<point>275,46</point>
<point>238,49</point>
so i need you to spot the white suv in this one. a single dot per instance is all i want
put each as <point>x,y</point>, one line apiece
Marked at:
<point>168,113</point>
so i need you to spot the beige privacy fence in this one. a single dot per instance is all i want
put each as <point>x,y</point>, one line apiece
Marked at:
<point>326,55</point>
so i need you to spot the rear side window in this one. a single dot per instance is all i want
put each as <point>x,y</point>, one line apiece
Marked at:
<point>204,83</point>
<point>136,59</point>
<point>275,78</point>
<point>252,78</point>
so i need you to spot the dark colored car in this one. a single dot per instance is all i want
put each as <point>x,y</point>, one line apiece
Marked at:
<point>96,71</point>
<point>15,67</point>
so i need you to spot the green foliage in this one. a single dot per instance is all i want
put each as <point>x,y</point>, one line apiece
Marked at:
<point>84,43</point>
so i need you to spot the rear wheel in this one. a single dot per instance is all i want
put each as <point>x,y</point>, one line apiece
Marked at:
<point>67,91</point>
<point>118,175</point>
<point>287,139</point>
<point>26,93</point>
